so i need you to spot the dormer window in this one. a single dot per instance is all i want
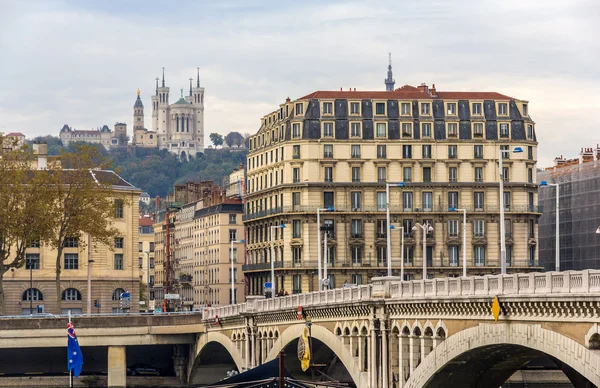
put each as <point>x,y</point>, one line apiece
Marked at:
<point>452,129</point>
<point>405,108</point>
<point>354,108</point>
<point>327,129</point>
<point>478,129</point>
<point>327,108</point>
<point>525,110</point>
<point>425,108</point>
<point>503,109</point>
<point>296,130</point>
<point>477,108</point>
<point>380,108</point>
<point>299,109</point>
<point>451,108</point>
<point>504,130</point>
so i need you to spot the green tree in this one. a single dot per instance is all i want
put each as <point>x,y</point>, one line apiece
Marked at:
<point>216,139</point>
<point>234,139</point>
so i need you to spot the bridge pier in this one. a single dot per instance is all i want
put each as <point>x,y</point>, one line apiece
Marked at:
<point>117,367</point>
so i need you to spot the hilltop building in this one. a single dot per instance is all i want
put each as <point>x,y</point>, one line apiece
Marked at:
<point>104,136</point>
<point>12,140</point>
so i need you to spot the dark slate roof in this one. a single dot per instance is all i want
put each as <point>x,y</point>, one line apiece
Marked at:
<point>138,102</point>
<point>220,208</point>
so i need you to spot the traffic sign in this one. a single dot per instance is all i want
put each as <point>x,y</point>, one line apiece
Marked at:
<point>268,285</point>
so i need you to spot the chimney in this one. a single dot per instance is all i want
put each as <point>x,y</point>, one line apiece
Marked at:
<point>287,99</point>
<point>340,89</point>
<point>355,89</point>
<point>157,203</point>
<point>424,88</point>
<point>41,150</point>
<point>432,90</point>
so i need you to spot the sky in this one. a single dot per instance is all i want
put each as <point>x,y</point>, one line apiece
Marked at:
<point>81,62</point>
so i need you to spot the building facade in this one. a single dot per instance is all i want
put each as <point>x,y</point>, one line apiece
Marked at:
<point>104,136</point>
<point>338,149</point>
<point>146,260</point>
<point>579,210</point>
<point>12,140</point>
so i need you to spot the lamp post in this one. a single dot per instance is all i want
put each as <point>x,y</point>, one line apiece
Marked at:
<point>387,215</point>
<point>319,269</point>
<point>273,259</point>
<point>147,281</point>
<point>401,250</point>
<point>502,232</point>
<point>30,262</point>
<point>557,242</point>
<point>426,228</point>
<point>464,211</point>
<point>232,271</point>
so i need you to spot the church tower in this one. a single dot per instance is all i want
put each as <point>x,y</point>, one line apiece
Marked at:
<point>155,108</point>
<point>197,101</point>
<point>138,113</point>
<point>389,81</point>
<point>162,126</point>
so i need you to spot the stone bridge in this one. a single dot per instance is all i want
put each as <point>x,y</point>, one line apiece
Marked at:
<point>425,333</point>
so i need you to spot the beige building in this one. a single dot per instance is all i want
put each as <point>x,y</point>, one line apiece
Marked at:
<point>12,140</point>
<point>339,149</point>
<point>146,259</point>
<point>112,271</point>
<point>104,136</point>
<point>235,183</point>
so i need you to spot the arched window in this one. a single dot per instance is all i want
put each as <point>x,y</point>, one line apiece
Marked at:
<point>71,294</point>
<point>33,294</point>
<point>117,294</point>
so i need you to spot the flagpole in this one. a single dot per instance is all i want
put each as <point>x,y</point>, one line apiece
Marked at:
<point>70,370</point>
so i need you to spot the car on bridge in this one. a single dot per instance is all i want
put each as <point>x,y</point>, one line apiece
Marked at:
<point>143,370</point>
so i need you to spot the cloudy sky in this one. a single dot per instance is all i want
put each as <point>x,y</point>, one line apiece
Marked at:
<point>80,62</point>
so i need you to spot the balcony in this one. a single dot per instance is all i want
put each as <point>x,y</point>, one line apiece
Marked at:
<point>381,235</point>
<point>296,156</point>
<point>356,235</point>
<point>261,266</point>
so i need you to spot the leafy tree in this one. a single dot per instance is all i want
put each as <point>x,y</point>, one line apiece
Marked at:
<point>82,205</point>
<point>216,139</point>
<point>234,139</point>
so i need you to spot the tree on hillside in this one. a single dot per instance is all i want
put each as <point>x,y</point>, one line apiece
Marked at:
<point>54,144</point>
<point>234,139</point>
<point>216,139</point>
<point>23,208</point>
<point>82,205</point>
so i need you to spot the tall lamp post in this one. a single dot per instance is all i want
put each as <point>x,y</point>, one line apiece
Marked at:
<point>387,215</point>
<point>502,232</point>
<point>319,268</point>
<point>273,259</point>
<point>464,247</point>
<point>557,242</point>
<point>426,229</point>
<point>232,271</point>
<point>401,250</point>
<point>30,263</point>
<point>147,281</point>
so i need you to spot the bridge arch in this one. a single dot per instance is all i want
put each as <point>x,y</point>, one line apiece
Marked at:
<point>330,340</point>
<point>523,341</point>
<point>208,341</point>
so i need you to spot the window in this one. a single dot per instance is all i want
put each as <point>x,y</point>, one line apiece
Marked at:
<point>452,130</point>
<point>530,175</point>
<point>505,174</point>
<point>380,131</point>
<point>409,254</point>
<point>530,201</point>
<point>34,244</point>
<point>507,201</point>
<point>477,108</point>
<point>296,229</point>
<point>118,261</point>
<point>507,228</point>
<point>406,129</point>
<point>509,250</point>
<point>33,294</point>
<point>357,279</point>
<point>328,199</point>
<point>425,108</point>
<point>299,109</point>
<point>152,265</point>
<point>478,130</point>
<point>503,109</point>
<point>296,130</point>
<point>427,174</point>
<point>297,284</point>
<point>503,130</point>
<point>426,129</point>
<point>381,255</point>
<point>355,151</point>
<point>532,256</point>
<point>355,129</point>
<point>119,242</point>
<point>71,261</point>
<point>356,254</point>
<point>232,218</point>
<point>427,197</point>
<point>405,108</point>
<point>328,129</point>
<point>478,151</point>
<point>328,150</point>
<point>381,175</point>
<point>117,294</point>
<point>453,199</point>
<point>296,199</point>
<point>407,174</point>
<point>453,228</point>
<point>530,131</point>
<point>379,108</point>
<point>478,197</point>
<point>356,229</point>
<point>479,256</point>
<point>328,174</point>
<point>530,152</point>
<point>32,261</point>
<point>381,229</point>
<point>296,174</point>
<point>407,151</point>
<point>355,197</point>
<point>296,151</point>
<point>451,108</point>
<point>329,224</point>
<point>140,246</point>
<point>71,242</point>
<point>452,174</point>
<point>232,235</point>
<point>327,108</point>
<point>71,294</point>
<point>453,256</point>
<point>330,282</point>
<point>152,247</point>
<point>479,228</point>
<point>354,108</point>
<point>381,151</point>
<point>426,149</point>
<point>381,200</point>
<point>452,152</point>
<point>118,208</point>
<point>478,174</point>
<point>407,200</point>
<point>408,225</point>
<point>355,174</point>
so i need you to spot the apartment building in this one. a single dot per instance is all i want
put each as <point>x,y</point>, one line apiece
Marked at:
<point>338,150</point>
<point>146,260</point>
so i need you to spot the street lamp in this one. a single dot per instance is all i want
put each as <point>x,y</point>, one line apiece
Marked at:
<point>232,278</point>
<point>464,211</point>
<point>30,262</point>
<point>147,281</point>
<point>557,242</point>
<point>401,250</point>
<point>319,269</point>
<point>426,229</point>
<point>273,259</point>
<point>387,215</point>
<point>501,153</point>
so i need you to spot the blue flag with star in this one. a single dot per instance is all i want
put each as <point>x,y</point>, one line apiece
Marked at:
<point>74,355</point>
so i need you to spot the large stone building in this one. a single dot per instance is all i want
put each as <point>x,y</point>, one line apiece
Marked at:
<point>12,140</point>
<point>146,259</point>
<point>339,149</point>
<point>104,136</point>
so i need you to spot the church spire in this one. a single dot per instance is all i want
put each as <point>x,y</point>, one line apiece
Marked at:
<point>198,79</point>
<point>163,79</point>
<point>157,85</point>
<point>389,81</point>
<point>191,79</point>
